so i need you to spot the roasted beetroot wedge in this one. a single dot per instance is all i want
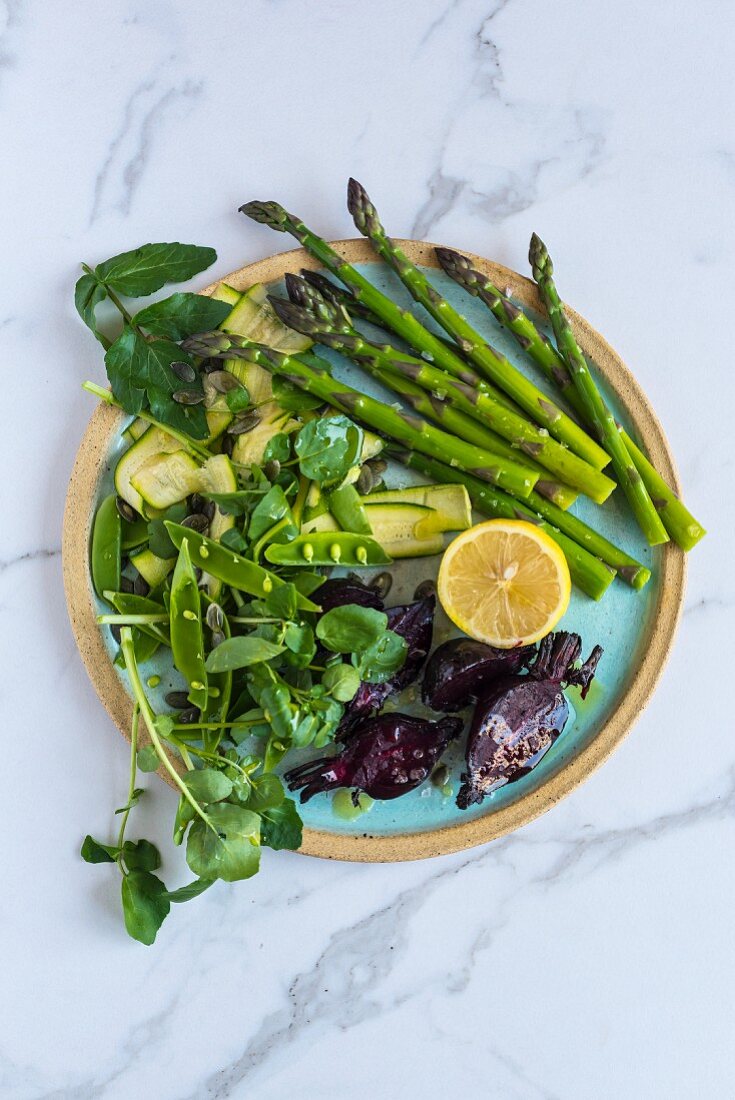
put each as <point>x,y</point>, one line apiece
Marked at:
<point>458,670</point>
<point>386,757</point>
<point>516,721</point>
<point>415,623</point>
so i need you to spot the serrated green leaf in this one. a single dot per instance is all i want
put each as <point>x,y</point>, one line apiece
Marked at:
<point>88,294</point>
<point>146,269</point>
<point>182,314</point>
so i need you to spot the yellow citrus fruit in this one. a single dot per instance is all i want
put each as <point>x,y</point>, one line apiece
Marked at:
<point>504,582</point>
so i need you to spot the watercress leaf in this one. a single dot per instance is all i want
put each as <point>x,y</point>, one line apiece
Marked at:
<point>265,792</point>
<point>146,269</point>
<point>328,448</point>
<point>233,540</point>
<point>208,784</point>
<point>93,851</point>
<point>275,750</point>
<point>268,511</point>
<point>229,848</point>
<point>147,759</point>
<point>237,400</point>
<point>144,906</point>
<point>342,681</point>
<point>88,293</point>
<point>133,801</point>
<point>121,372</point>
<point>350,628</point>
<point>305,731</point>
<point>191,890</point>
<point>281,602</point>
<point>164,724</point>
<point>240,653</point>
<point>141,855</point>
<point>278,448</point>
<point>281,826</point>
<point>292,398</point>
<point>379,661</point>
<point>306,582</point>
<point>299,640</point>
<point>159,542</point>
<point>181,315</point>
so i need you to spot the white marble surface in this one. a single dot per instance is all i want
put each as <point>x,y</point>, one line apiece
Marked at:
<point>591,954</point>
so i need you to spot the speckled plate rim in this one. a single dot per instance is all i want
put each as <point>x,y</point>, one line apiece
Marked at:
<point>88,467</point>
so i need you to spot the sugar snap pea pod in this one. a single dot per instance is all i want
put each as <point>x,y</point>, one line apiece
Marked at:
<point>187,635</point>
<point>227,566</point>
<point>329,548</point>
<point>106,542</point>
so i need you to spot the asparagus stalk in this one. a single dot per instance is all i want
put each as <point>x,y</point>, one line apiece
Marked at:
<point>333,329</point>
<point>594,546</point>
<point>429,404</point>
<point>597,412</point>
<point>313,375</point>
<point>399,320</point>
<point>588,573</point>
<point>681,525</point>
<point>488,361</point>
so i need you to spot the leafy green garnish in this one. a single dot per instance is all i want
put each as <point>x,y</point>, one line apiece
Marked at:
<point>328,448</point>
<point>227,846</point>
<point>350,628</point>
<point>341,681</point>
<point>145,906</point>
<point>241,652</point>
<point>146,269</point>
<point>182,314</point>
<point>281,827</point>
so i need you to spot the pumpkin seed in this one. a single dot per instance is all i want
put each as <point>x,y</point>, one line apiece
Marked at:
<point>245,423</point>
<point>365,481</point>
<point>126,585</point>
<point>185,372</point>
<point>215,617</point>
<point>115,631</point>
<point>141,586</point>
<point>125,510</point>
<point>382,583</point>
<point>179,700</point>
<point>228,444</point>
<point>197,521</point>
<point>426,588</point>
<point>378,466</point>
<point>217,638</point>
<point>209,366</point>
<point>190,715</point>
<point>188,397</point>
<point>272,469</point>
<point>223,382</point>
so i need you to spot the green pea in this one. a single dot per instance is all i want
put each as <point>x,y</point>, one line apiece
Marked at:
<point>106,547</point>
<point>328,548</point>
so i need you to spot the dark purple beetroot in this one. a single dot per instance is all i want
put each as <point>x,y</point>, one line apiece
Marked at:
<point>460,669</point>
<point>415,623</point>
<point>516,721</point>
<point>340,591</point>
<point>386,757</point>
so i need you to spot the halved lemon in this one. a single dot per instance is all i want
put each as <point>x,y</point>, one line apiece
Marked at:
<point>504,582</point>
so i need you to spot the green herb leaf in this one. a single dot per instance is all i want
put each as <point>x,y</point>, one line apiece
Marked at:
<point>134,799</point>
<point>299,640</point>
<point>159,542</point>
<point>144,906</point>
<point>281,602</point>
<point>266,792</point>
<point>281,826</point>
<point>237,503</point>
<point>328,448</point>
<point>88,294</point>
<point>147,759</point>
<point>230,849</point>
<point>208,784</point>
<point>93,851</point>
<point>379,661</point>
<point>350,628</point>
<point>278,448</point>
<point>237,400</point>
<point>185,814</point>
<point>146,269</point>
<point>291,398</point>
<point>120,365</point>
<point>342,681</point>
<point>240,653</point>
<point>269,510</point>
<point>181,315</point>
<point>233,540</point>
<point>141,855</point>
<point>191,890</point>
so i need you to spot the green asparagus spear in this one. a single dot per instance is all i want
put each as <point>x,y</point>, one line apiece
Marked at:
<point>603,552</point>
<point>313,375</point>
<point>489,362</point>
<point>333,329</point>
<point>428,404</point>
<point>597,412</point>
<point>681,525</point>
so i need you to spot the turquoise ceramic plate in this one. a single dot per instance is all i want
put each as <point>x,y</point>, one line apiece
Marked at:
<point>634,628</point>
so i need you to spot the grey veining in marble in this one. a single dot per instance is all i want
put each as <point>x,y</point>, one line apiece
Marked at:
<point>591,954</point>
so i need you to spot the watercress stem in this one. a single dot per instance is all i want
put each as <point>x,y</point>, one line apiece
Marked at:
<point>131,784</point>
